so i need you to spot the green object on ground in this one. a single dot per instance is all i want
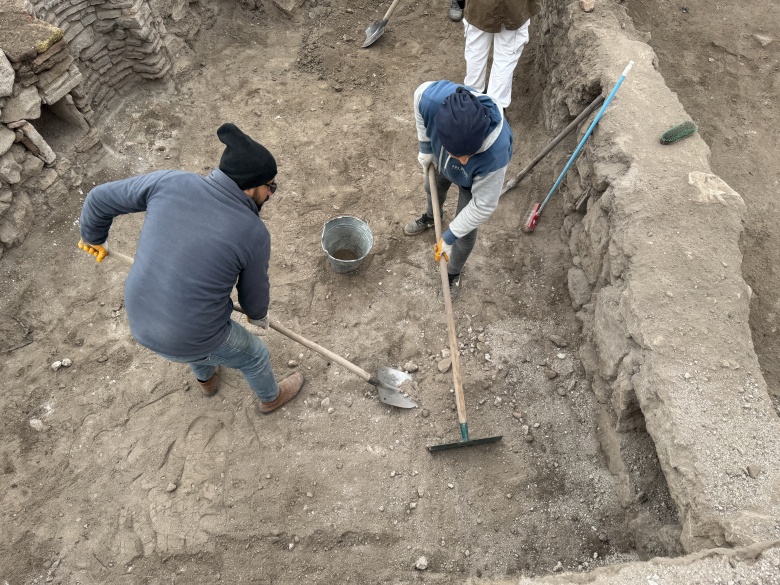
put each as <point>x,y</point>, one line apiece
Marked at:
<point>676,132</point>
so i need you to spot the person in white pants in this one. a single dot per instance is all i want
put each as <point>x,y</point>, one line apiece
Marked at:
<point>502,24</point>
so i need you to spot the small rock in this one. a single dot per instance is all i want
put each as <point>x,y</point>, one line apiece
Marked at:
<point>518,416</point>
<point>381,508</point>
<point>56,365</point>
<point>37,424</point>
<point>325,403</point>
<point>763,39</point>
<point>413,505</point>
<point>558,568</point>
<point>451,485</point>
<point>550,374</point>
<point>753,471</point>
<point>421,564</point>
<point>497,401</point>
<point>411,367</point>
<point>561,391</point>
<point>420,492</point>
<point>444,365</point>
<point>171,487</point>
<point>425,413</point>
<point>67,362</point>
<point>558,341</point>
<point>331,410</point>
<point>587,6</point>
<point>528,438</point>
<point>102,358</point>
<point>561,356</point>
<point>292,364</point>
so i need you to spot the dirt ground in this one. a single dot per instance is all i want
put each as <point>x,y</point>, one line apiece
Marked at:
<point>115,469</point>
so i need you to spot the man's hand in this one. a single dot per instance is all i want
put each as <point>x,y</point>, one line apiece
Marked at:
<point>426,160</point>
<point>95,249</point>
<point>259,322</point>
<point>444,246</point>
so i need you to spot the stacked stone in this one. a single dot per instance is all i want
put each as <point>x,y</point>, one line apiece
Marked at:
<point>115,42</point>
<point>36,69</point>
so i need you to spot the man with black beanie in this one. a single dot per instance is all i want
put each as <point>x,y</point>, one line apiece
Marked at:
<point>464,135</point>
<point>201,237</point>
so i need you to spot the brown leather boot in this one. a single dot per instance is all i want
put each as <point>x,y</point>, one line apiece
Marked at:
<point>288,389</point>
<point>210,386</point>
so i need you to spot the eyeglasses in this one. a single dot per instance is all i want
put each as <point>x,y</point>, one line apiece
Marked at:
<point>272,186</point>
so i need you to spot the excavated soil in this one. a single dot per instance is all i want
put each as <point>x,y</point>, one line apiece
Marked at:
<point>116,469</point>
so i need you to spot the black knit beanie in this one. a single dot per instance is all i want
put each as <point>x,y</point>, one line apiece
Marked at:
<point>462,123</point>
<point>245,161</point>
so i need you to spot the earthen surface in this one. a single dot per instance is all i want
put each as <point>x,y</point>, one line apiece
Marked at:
<point>116,469</point>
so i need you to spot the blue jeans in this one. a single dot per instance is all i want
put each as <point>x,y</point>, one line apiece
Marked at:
<point>462,247</point>
<point>241,351</point>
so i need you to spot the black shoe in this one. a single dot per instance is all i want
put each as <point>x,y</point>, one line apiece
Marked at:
<point>456,12</point>
<point>454,287</point>
<point>419,225</point>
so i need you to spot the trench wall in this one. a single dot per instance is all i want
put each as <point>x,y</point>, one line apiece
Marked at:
<point>656,283</point>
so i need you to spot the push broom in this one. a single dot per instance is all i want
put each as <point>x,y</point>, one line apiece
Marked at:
<point>536,212</point>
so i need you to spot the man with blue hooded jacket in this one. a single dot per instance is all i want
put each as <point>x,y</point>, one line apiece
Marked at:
<point>201,237</point>
<point>465,136</point>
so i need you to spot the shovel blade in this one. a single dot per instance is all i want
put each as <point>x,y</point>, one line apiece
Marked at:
<point>390,391</point>
<point>394,397</point>
<point>374,31</point>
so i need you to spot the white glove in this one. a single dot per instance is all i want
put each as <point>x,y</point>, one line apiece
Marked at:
<point>262,323</point>
<point>426,160</point>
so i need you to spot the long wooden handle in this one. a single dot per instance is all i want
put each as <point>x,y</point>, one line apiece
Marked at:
<point>390,10</point>
<point>318,348</point>
<point>563,134</point>
<point>460,400</point>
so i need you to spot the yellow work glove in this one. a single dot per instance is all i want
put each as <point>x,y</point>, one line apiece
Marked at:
<point>95,249</point>
<point>442,248</point>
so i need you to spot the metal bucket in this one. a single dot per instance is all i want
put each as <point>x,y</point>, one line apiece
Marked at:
<point>346,241</point>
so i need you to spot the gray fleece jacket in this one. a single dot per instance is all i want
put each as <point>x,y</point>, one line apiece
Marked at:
<point>201,237</point>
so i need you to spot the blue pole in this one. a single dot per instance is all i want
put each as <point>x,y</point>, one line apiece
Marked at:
<point>587,134</point>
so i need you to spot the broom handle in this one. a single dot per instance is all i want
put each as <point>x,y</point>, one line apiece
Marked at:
<point>460,401</point>
<point>587,134</point>
<point>564,133</point>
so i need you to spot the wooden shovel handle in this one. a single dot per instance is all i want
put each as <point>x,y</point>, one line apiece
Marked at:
<point>318,348</point>
<point>390,10</point>
<point>460,400</point>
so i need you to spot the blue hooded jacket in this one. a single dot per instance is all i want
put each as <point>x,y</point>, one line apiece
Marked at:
<point>484,173</point>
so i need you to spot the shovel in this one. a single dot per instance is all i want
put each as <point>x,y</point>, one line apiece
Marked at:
<point>377,29</point>
<point>460,400</point>
<point>387,380</point>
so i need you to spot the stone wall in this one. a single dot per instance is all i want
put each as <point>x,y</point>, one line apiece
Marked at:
<point>36,71</point>
<point>116,42</point>
<point>656,283</point>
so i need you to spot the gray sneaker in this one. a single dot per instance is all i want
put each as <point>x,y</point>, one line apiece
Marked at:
<point>454,288</point>
<point>419,225</point>
<point>456,12</point>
